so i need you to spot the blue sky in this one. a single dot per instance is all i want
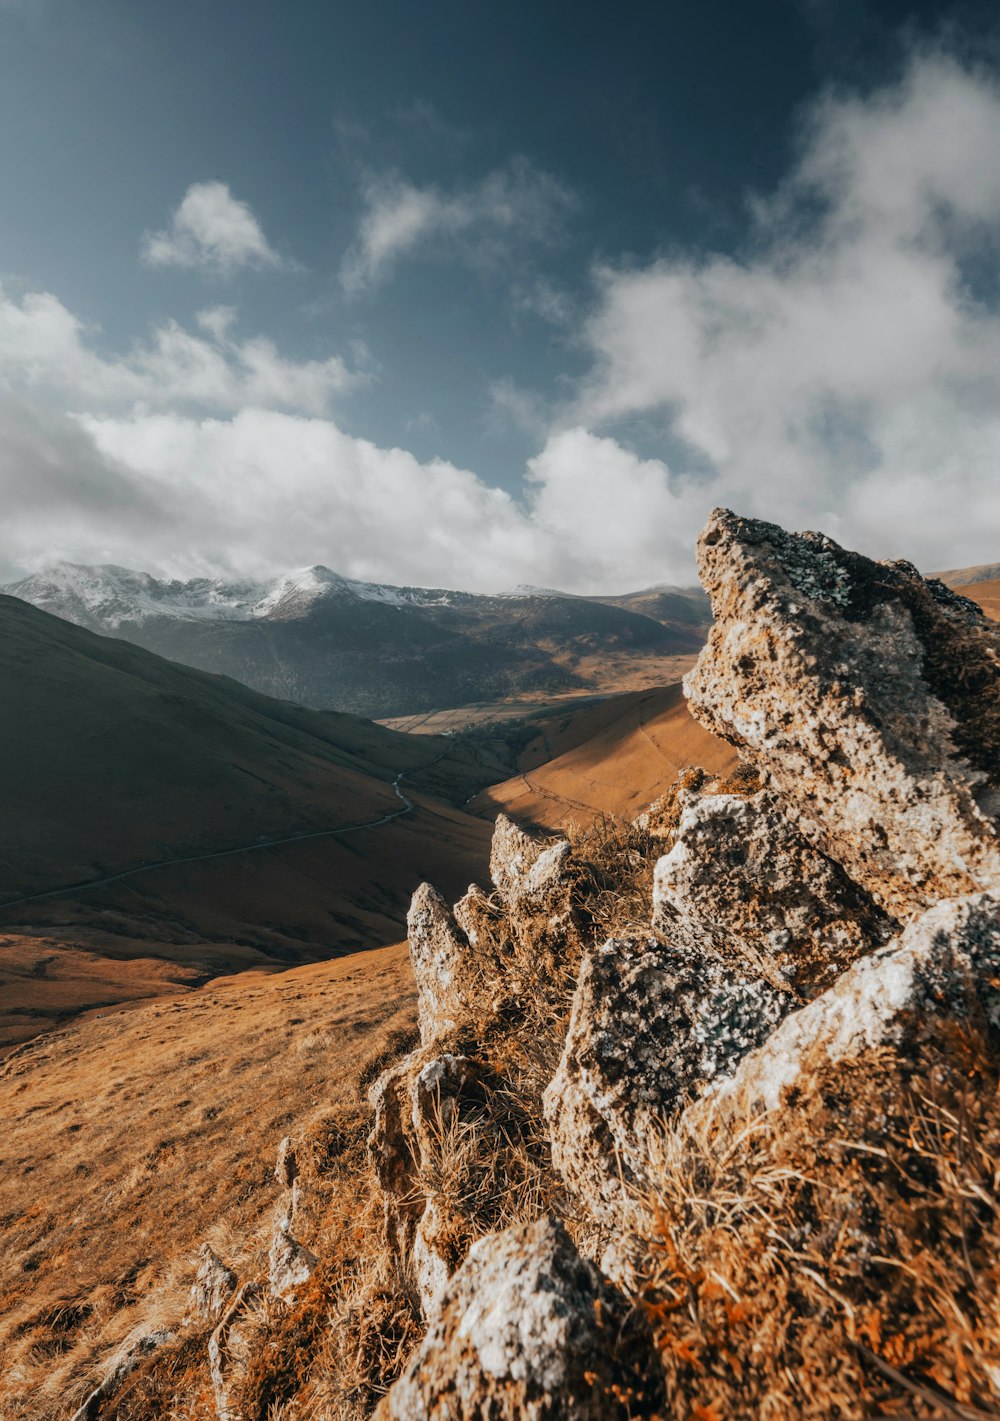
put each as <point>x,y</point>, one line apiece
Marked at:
<point>476,295</point>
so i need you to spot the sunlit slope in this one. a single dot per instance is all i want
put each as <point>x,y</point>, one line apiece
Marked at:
<point>130,1139</point>
<point>612,758</point>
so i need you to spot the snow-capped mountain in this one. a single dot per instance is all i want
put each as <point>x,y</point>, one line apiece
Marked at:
<point>106,598</point>
<point>337,644</point>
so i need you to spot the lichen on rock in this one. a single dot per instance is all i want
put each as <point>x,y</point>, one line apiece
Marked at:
<point>867,696</point>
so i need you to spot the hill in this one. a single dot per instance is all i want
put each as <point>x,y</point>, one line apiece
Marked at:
<point>612,758</point>
<point>163,825</point>
<point>331,643</point>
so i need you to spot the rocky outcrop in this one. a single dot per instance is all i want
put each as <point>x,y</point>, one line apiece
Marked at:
<point>290,1264</point>
<point>534,878</point>
<point>213,1286</point>
<point>650,1025</point>
<point>944,966</point>
<point>527,1330</point>
<point>418,1106</point>
<point>868,697</point>
<point>741,880</point>
<point>448,973</point>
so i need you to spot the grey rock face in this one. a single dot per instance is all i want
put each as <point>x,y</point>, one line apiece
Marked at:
<point>534,878</point>
<point>213,1286</point>
<point>869,697</point>
<point>946,964</point>
<point>525,1331</point>
<point>650,1024</point>
<point>741,880</point>
<point>445,965</point>
<point>290,1264</point>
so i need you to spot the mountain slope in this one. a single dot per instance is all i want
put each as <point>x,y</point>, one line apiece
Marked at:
<point>328,642</point>
<point>613,758</point>
<point>115,759</point>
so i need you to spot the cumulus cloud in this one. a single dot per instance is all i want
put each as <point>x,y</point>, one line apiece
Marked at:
<point>513,205</point>
<point>845,373</point>
<point>45,348</point>
<point>842,373</point>
<point>212,231</point>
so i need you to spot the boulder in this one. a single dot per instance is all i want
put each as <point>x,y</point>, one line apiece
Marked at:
<point>290,1264</point>
<point>526,1330</point>
<point>650,1024</point>
<point>867,696</point>
<point>213,1286</point>
<point>742,880</point>
<point>944,966</point>
<point>448,973</point>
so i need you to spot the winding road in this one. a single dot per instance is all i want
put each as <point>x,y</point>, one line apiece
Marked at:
<point>408,807</point>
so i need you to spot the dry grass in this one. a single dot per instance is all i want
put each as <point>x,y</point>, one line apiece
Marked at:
<point>838,1258</point>
<point>130,1139</point>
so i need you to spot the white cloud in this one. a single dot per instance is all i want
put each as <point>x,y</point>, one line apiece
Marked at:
<point>210,230</point>
<point>843,374</point>
<point>46,349</point>
<point>512,205</point>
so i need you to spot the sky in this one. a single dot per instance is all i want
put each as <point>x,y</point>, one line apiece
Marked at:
<point>483,295</point>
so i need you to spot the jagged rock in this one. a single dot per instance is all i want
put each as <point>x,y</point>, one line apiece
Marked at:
<point>213,1286</point>
<point>286,1168</point>
<point>946,964</point>
<point>869,697</point>
<point>477,916</point>
<point>650,1024</point>
<point>534,879</point>
<point>231,1348</point>
<point>133,1351</point>
<point>290,1264</point>
<point>416,1103</point>
<point>526,1329</point>
<point>742,880</point>
<point>449,974</point>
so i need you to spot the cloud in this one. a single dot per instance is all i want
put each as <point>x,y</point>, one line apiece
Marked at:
<point>46,349</point>
<point>210,231</point>
<point>513,205</point>
<point>845,371</point>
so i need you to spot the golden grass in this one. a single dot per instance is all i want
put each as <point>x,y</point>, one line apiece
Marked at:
<point>839,1257</point>
<point>131,1138</point>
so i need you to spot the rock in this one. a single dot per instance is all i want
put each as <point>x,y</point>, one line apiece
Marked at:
<point>416,1104</point>
<point>290,1264</point>
<point>742,880</point>
<point>534,879</point>
<point>650,1024</point>
<point>526,1329</point>
<point>231,1348</point>
<point>213,1286</point>
<point>869,697</point>
<point>448,973</point>
<point>478,917</point>
<point>132,1353</point>
<point>286,1169</point>
<point>945,965</point>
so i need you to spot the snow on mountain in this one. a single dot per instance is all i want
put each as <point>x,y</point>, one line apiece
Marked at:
<point>108,597</point>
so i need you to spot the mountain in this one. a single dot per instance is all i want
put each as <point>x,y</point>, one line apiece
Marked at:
<point>381,651</point>
<point>116,760</point>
